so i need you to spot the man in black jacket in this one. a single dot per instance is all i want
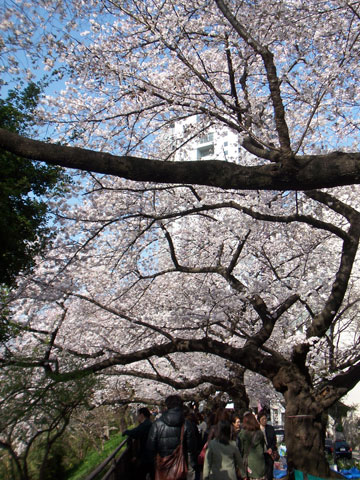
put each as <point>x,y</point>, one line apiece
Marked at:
<point>164,435</point>
<point>140,433</point>
<point>270,444</point>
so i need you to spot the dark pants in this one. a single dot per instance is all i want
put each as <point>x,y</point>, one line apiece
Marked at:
<point>269,467</point>
<point>143,471</point>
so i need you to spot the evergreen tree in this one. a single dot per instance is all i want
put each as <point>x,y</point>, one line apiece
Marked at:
<point>22,184</point>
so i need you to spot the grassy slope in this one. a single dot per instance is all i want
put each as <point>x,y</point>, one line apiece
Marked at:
<point>94,458</point>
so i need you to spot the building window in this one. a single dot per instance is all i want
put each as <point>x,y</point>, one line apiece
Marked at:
<point>205,152</point>
<point>207,138</point>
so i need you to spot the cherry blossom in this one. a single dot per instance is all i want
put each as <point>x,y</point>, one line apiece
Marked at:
<point>163,272</point>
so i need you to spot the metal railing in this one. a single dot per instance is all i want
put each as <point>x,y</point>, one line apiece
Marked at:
<point>113,467</point>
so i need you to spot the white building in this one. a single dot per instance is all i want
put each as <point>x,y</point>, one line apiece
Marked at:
<point>195,142</point>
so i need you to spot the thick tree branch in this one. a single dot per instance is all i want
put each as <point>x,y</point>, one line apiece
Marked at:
<point>312,171</point>
<point>219,382</point>
<point>268,319</point>
<point>339,386</point>
<point>249,357</point>
<point>322,321</point>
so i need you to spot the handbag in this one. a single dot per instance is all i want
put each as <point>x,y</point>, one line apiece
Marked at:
<point>201,456</point>
<point>275,455</point>
<point>174,466</point>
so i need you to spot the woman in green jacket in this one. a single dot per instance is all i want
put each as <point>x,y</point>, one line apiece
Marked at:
<point>252,442</point>
<point>223,460</point>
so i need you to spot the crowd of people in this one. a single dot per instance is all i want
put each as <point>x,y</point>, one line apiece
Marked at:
<point>184,444</point>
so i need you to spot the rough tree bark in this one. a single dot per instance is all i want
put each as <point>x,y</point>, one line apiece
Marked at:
<point>307,172</point>
<point>304,426</point>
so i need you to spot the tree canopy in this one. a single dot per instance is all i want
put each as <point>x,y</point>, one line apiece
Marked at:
<point>177,272</point>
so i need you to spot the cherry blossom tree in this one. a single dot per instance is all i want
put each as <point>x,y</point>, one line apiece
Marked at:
<point>137,290</point>
<point>170,281</point>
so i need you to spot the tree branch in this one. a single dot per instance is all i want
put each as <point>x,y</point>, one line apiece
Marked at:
<point>249,357</point>
<point>339,386</point>
<point>273,81</point>
<point>312,171</point>
<point>219,382</point>
<point>322,321</point>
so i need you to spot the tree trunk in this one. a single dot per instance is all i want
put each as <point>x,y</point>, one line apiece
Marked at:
<point>240,398</point>
<point>304,434</point>
<point>241,405</point>
<point>237,390</point>
<point>305,425</point>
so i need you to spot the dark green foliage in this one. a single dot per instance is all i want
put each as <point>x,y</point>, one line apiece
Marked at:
<point>7,328</point>
<point>22,184</point>
<point>36,411</point>
<point>54,467</point>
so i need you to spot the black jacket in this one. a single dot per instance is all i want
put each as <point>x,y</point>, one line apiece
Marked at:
<point>164,435</point>
<point>270,437</point>
<point>140,433</point>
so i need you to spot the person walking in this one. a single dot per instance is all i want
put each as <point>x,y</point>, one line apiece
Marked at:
<point>140,433</point>
<point>165,436</point>
<point>235,425</point>
<point>220,414</point>
<point>223,460</point>
<point>270,444</point>
<point>252,444</point>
